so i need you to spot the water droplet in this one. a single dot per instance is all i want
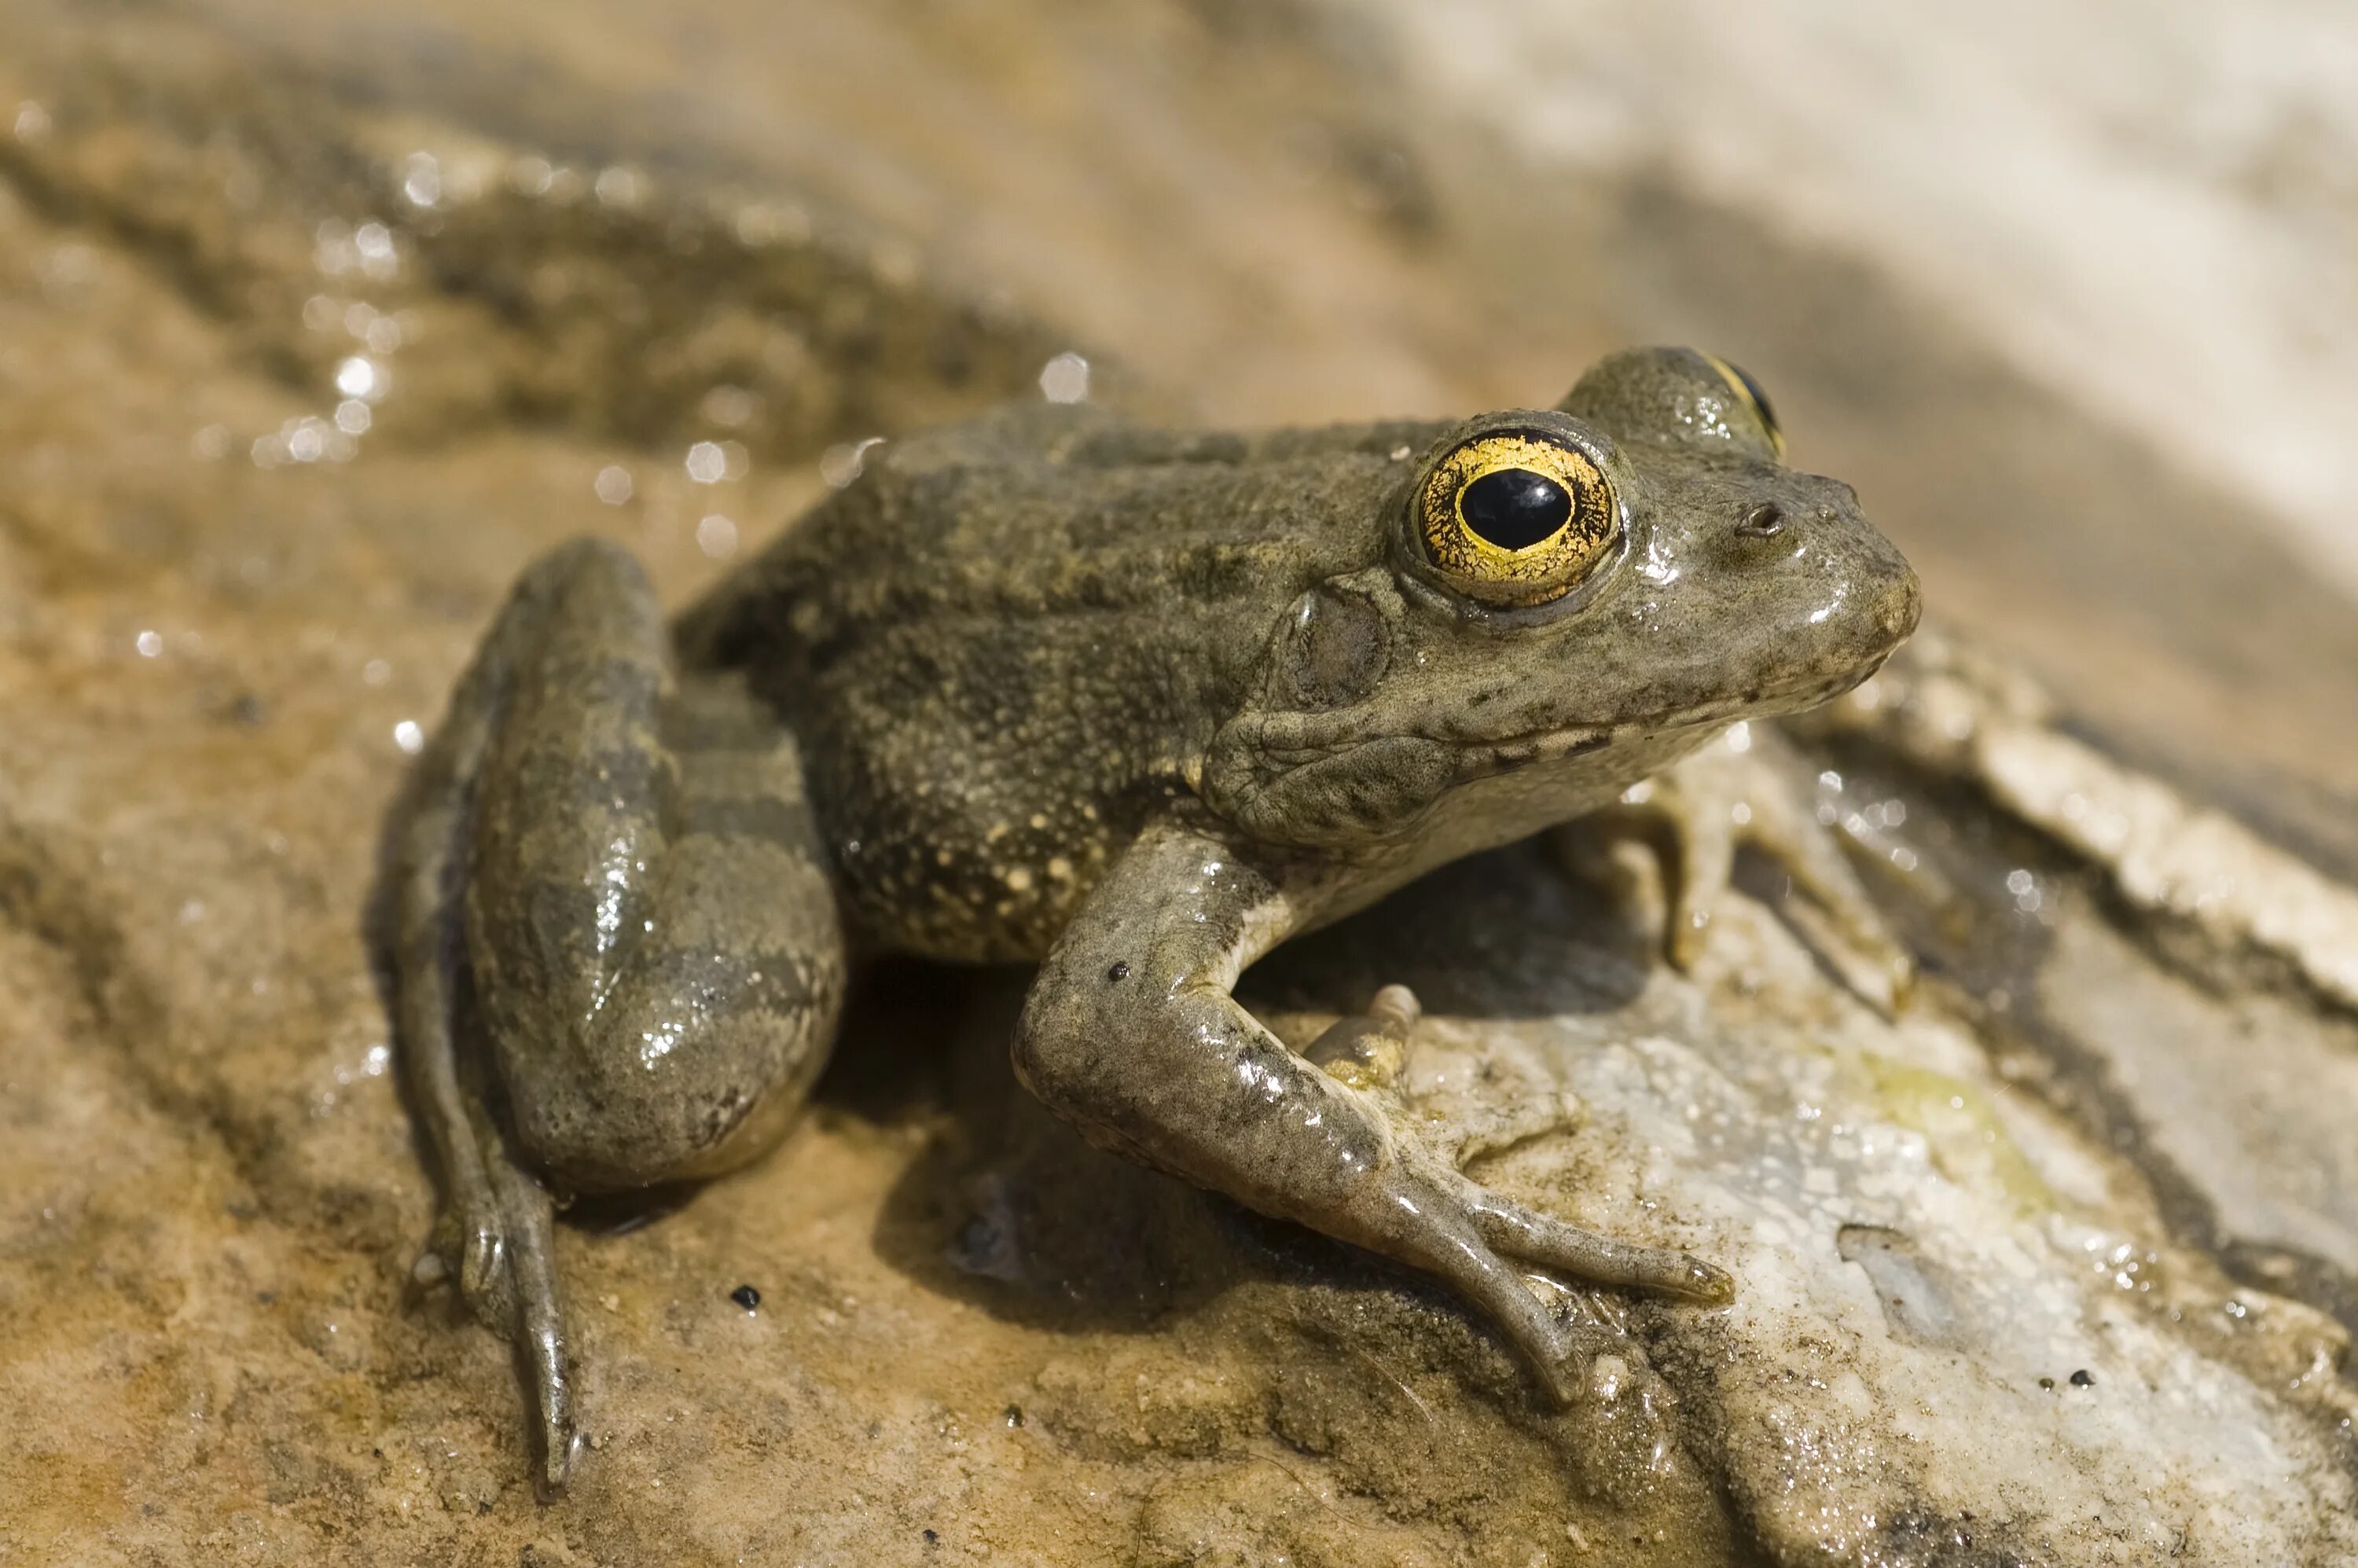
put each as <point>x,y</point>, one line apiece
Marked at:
<point>618,186</point>
<point>358,377</point>
<point>374,242</point>
<point>768,226</point>
<point>842,463</point>
<point>717,537</point>
<point>530,176</point>
<point>422,180</point>
<point>731,407</point>
<point>1066,378</point>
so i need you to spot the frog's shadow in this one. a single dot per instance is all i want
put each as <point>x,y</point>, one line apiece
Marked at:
<point>1007,1208</point>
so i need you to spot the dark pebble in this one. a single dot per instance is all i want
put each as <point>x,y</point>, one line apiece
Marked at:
<point>746,1296</point>
<point>2082,1380</point>
<point>1119,972</point>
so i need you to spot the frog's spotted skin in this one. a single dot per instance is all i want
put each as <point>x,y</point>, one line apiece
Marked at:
<point>1136,705</point>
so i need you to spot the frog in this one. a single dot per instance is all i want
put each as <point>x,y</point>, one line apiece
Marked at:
<point>1131,704</point>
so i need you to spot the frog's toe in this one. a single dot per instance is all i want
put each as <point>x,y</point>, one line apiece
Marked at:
<point>1425,1217</point>
<point>501,1250</point>
<point>477,1246</point>
<point>1897,969</point>
<point>536,1320</point>
<point>1551,1244</point>
<point>1366,1051</point>
<point>1747,790</point>
<point>1841,919</point>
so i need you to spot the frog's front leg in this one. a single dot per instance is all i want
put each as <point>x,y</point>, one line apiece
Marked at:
<point>1130,1032</point>
<point>1748,787</point>
<point>625,865</point>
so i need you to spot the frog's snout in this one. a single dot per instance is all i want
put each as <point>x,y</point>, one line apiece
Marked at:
<point>1893,598</point>
<point>1902,608</point>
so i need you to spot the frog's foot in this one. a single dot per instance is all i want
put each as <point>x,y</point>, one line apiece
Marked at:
<point>536,1324</point>
<point>1745,789</point>
<point>1423,1213</point>
<point>497,1235</point>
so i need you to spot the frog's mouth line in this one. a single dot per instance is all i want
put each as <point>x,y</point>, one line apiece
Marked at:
<point>1294,741</point>
<point>1484,759</point>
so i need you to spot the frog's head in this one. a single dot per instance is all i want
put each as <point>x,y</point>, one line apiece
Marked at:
<point>1568,598</point>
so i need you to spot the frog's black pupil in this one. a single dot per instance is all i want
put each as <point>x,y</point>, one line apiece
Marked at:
<point>1515,508</point>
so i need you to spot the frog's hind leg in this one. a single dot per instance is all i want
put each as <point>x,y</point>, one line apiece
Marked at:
<point>492,1213</point>
<point>627,868</point>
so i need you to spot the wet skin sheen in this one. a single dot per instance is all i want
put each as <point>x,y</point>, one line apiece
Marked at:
<point>1133,704</point>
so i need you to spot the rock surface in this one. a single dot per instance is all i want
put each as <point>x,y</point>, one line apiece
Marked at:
<point>2056,1268</point>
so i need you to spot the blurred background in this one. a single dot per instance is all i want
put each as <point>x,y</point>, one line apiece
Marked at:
<point>2065,290</point>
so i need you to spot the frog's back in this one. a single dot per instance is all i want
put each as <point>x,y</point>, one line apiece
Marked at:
<point>1036,510</point>
<point>1005,644</point>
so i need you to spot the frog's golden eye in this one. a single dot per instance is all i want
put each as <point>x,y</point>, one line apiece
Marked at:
<point>1747,391</point>
<point>1517,517</point>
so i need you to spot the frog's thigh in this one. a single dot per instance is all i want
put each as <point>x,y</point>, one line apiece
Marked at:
<point>654,939</point>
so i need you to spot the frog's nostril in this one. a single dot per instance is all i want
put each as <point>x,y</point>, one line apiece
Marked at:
<point>1762,522</point>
